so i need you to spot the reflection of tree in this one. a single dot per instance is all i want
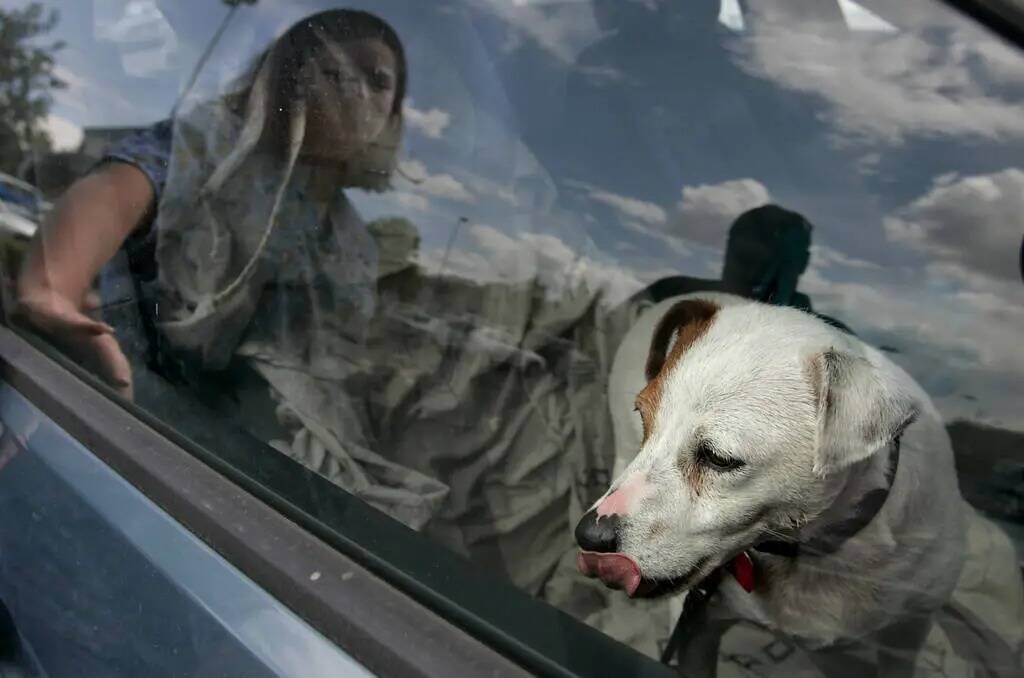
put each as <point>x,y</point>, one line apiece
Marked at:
<point>26,81</point>
<point>398,243</point>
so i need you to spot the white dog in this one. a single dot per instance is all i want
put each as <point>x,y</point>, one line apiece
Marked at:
<point>788,460</point>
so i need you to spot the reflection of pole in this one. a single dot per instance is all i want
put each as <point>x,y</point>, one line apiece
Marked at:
<point>451,241</point>
<point>233,5</point>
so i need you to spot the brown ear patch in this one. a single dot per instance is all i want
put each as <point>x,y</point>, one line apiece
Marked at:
<point>689,319</point>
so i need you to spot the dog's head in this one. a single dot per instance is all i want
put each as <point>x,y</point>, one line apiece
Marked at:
<point>750,415</point>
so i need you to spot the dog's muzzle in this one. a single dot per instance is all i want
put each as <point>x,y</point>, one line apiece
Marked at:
<point>597,535</point>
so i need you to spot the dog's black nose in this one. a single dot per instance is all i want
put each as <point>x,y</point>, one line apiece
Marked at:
<point>598,533</point>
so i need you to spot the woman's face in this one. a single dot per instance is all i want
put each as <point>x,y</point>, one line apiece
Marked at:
<point>350,94</point>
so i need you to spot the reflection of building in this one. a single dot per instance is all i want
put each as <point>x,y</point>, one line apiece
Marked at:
<point>95,140</point>
<point>144,39</point>
<point>52,173</point>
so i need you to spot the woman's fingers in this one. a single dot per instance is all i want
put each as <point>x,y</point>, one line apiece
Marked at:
<point>94,327</point>
<point>76,321</point>
<point>88,341</point>
<point>102,356</point>
<point>111,364</point>
<point>55,314</point>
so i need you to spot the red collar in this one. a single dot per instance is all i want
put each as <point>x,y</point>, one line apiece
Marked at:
<point>742,568</point>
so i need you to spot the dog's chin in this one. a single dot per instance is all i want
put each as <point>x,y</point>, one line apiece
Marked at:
<point>659,588</point>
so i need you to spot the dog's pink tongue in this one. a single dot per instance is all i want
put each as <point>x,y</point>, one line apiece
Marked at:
<point>616,570</point>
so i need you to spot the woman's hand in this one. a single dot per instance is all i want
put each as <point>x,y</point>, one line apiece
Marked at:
<point>90,343</point>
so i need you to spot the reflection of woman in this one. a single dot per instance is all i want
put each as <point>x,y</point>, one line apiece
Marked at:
<point>254,215</point>
<point>235,220</point>
<point>339,75</point>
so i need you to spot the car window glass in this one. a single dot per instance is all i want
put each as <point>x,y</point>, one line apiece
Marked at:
<point>422,250</point>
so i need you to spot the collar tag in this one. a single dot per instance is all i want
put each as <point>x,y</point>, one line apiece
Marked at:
<point>742,568</point>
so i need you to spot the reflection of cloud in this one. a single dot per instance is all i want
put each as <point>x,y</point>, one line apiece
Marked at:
<point>431,123</point>
<point>146,41</point>
<point>410,200</point>
<point>705,212</point>
<point>602,75</point>
<point>999,300</point>
<point>562,30</point>
<point>71,79</point>
<point>95,101</point>
<point>676,244</point>
<point>64,134</point>
<point>998,63</point>
<point>486,254</point>
<point>973,221</point>
<point>868,163</point>
<point>639,210</point>
<point>76,88</point>
<point>956,319</point>
<point>965,342</point>
<point>884,87</point>
<point>702,216</point>
<point>437,185</point>
<point>483,186</point>
<point>826,257</point>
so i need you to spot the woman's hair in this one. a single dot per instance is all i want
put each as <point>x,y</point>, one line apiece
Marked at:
<point>282,64</point>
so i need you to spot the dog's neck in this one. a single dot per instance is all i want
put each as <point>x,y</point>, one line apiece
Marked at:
<point>852,499</point>
<point>857,495</point>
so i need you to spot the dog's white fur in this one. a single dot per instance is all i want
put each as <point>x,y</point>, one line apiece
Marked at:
<point>746,385</point>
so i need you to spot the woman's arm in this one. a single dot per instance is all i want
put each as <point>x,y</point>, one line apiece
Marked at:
<point>86,228</point>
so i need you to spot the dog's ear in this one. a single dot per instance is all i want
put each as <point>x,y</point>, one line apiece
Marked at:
<point>685,321</point>
<point>861,408</point>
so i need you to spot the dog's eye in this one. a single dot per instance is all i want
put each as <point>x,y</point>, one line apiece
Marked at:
<point>708,457</point>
